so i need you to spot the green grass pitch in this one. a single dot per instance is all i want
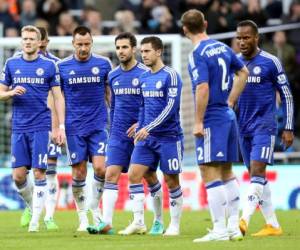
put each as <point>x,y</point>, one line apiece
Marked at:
<point>193,225</point>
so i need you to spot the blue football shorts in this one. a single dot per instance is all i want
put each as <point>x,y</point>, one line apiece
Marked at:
<point>219,143</point>
<point>84,147</point>
<point>153,151</point>
<point>119,153</point>
<point>257,148</point>
<point>30,149</point>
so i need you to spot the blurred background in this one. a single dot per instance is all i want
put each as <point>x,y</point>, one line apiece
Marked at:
<point>279,23</point>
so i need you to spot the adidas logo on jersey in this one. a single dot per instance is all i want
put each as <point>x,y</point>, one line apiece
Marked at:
<point>72,72</point>
<point>220,154</point>
<point>18,71</point>
<point>116,83</point>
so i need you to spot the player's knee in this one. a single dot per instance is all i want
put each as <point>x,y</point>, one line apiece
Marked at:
<point>99,171</point>
<point>172,181</point>
<point>39,174</point>
<point>111,176</point>
<point>19,179</point>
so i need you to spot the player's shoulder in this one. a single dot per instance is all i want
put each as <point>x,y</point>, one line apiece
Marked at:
<point>102,59</point>
<point>65,60</point>
<point>173,74</point>
<point>47,60</point>
<point>15,57</point>
<point>114,72</point>
<point>142,67</point>
<point>271,59</point>
<point>205,45</point>
<point>52,56</point>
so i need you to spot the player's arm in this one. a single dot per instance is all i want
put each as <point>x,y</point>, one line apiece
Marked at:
<point>59,105</point>
<point>283,87</point>
<point>6,93</point>
<point>107,95</point>
<point>200,79</point>
<point>201,102</point>
<point>5,83</point>
<point>174,85</point>
<point>239,84</point>
<point>54,118</point>
<point>112,103</point>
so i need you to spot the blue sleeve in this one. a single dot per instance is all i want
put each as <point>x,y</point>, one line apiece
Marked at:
<point>173,85</point>
<point>199,69</point>
<point>54,76</point>
<point>282,85</point>
<point>5,76</point>
<point>141,116</point>
<point>112,104</point>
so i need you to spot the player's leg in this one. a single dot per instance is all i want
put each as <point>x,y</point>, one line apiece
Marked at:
<point>231,185</point>
<point>118,160</point>
<point>233,201</point>
<point>52,185</point>
<point>154,188</point>
<point>143,158</point>
<point>39,142</point>
<point>264,155</point>
<point>211,153</point>
<point>97,143</point>
<point>170,164</point>
<point>77,155</point>
<point>261,155</point>
<point>21,159</point>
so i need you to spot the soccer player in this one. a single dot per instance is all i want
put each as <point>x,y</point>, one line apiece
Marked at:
<point>257,123</point>
<point>126,97</point>
<point>27,79</point>
<point>53,153</point>
<point>211,67</point>
<point>159,139</point>
<point>54,150</point>
<point>84,83</point>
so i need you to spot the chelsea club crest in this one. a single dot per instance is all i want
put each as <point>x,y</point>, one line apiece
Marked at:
<point>95,70</point>
<point>39,72</point>
<point>135,82</point>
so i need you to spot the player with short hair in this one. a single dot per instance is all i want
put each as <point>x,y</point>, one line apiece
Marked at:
<point>211,67</point>
<point>53,153</point>
<point>84,83</point>
<point>126,97</point>
<point>257,123</point>
<point>30,77</point>
<point>159,139</point>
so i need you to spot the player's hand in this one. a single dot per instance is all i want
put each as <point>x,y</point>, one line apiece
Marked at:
<point>54,134</point>
<point>287,138</point>
<point>142,134</point>
<point>18,90</point>
<point>131,131</point>
<point>61,137</point>
<point>198,129</point>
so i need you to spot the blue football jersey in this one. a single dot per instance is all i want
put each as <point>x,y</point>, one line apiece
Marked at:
<point>30,111</point>
<point>83,84</point>
<point>126,98</point>
<point>257,104</point>
<point>161,103</point>
<point>214,62</point>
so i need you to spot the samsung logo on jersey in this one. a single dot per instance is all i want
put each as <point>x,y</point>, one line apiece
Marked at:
<point>127,91</point>
<point>215,51</point>
<point>153,93</point>
<point>84,79</point>
<point>253,79</point>
<point>29,80</point>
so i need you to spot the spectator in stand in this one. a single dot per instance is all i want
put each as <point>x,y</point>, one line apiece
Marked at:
<point>201,5</point>
<point>146,16</point>
<point>5,17</point>
<point>217,21</point>
<point>162,21</point>
<point>28,13</point>
<point>255,13</point>
<point>235,15</point>
<point>274,9</point>
<point>125,22</point>
<point>50,10</point>
<point>293,35</point>
<point>66,24</point>
<point>92,18</point>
